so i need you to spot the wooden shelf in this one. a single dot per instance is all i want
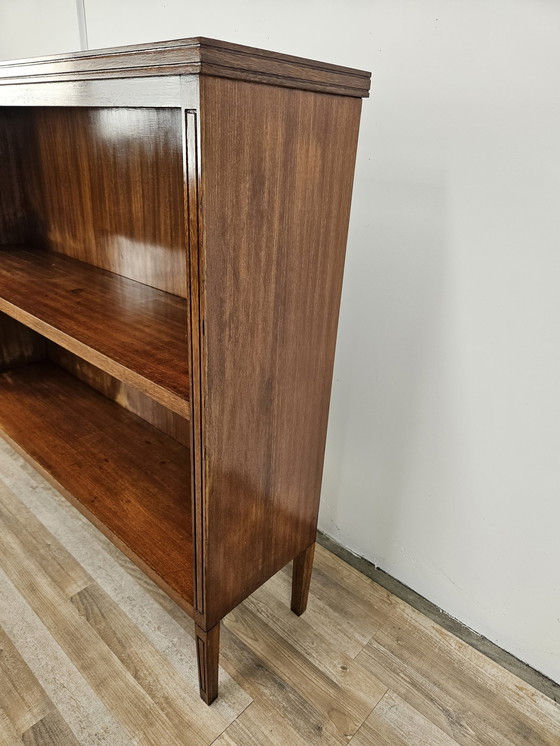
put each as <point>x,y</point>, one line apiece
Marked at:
<point>130,330</point>
<point>126,476</point>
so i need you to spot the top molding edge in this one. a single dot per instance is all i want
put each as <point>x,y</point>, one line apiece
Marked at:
<point>196,56</point>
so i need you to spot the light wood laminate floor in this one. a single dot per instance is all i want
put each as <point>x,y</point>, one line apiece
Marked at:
<point>92,653</point>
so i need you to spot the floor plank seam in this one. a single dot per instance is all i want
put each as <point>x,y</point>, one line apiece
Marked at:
<point>230,724</point>
<point>373,709</point>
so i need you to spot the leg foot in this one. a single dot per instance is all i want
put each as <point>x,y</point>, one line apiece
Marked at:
<point>301,577</point>
<point>208,653</point>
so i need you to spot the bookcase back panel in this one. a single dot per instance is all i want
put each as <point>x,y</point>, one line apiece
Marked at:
<point>21,346</point>
<point>18,344</point>
<point>126,396</point>
<point>13,208</point>
<point>102,185</point>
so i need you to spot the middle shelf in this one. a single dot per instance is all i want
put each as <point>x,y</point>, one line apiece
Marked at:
<point>132,331</point>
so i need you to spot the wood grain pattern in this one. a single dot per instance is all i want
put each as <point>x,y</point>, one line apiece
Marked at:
<point>360,689</point>
<point>127,477</point>
<point>14,226</point>
<point>23,699</point>
<point>129,641</point>
<point>154,92</point>
<point>27,714</point>
<point>18,344</point>
<point>133,332</point>
<point>193,230</point>
<point>394,723</point>
<point>151,669</point>
<point>100,666</point>
<point>463,694</point>
<point>275,188</point>
<point>52,730</point>
<point>8,735</point>
<point>208,654</point>
<point>33,538</point>
<point>72,696</point>
<point>126,396</point>
<point>105,185</point>
<point>261,725</point>
<point>345,696</point>
<point>187,56</point>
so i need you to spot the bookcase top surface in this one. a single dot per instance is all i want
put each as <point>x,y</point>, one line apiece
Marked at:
<point>193,56</point>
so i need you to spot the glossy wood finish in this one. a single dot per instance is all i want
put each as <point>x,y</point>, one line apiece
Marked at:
<point>82,167</point>
<point>275,187</point>
<point>301,579</point>
<point>128,478</point>
<point>193,230</point>
<point>133,93</point>
<point>132,331</point>
<point>197,55</point>
<point>18,344</point>
<point>195,254</point>
<point>208,654</point>
<point>126,396</point>
<point>13,211</point>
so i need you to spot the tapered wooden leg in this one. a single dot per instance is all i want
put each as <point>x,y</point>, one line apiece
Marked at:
<point>301,577</point>
<point>208,654</point>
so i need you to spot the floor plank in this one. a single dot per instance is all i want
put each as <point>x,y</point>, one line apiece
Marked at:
<point>321,649</point>
<point>344,708</point>
<point>395,723</point>
<point>74,698</point>
<point>251,672</point>
<point>69,576</point>
<point>8,735</point>
<point>52,730</point>
<point>152,670</point>
<point>22,698</point>
<point>310,717</point>
<point>114,684</point>
<point>260,725</point>
<point>92,652</point>
<point>464,694</point>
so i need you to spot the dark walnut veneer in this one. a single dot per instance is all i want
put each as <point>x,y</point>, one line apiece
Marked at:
<point>173,223</point>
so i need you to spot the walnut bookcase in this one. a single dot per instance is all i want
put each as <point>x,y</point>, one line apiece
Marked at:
<point>173,222</point>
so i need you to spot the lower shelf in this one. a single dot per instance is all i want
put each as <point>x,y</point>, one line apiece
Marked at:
<point>128,478</point>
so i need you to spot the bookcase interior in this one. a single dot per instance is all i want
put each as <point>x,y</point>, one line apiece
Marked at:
<point>94,379</point>
<point>122,459</point>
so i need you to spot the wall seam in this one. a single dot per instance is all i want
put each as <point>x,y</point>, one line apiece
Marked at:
<point>82,24</point>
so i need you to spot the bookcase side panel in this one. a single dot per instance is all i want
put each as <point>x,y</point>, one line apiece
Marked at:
<point>277,167</point>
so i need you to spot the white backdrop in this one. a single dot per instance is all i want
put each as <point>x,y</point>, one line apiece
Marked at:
<point>443,458</point>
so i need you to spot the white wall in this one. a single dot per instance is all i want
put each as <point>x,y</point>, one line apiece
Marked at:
<point>444,441</point>
<point>29,28</point>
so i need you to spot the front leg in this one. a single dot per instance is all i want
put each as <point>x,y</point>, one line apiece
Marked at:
<point>208,654</point>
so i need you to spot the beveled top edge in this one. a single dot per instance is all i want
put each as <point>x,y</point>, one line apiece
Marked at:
<point>196,55</point>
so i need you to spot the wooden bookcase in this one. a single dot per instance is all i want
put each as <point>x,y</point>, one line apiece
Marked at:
<point>173,222</point>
